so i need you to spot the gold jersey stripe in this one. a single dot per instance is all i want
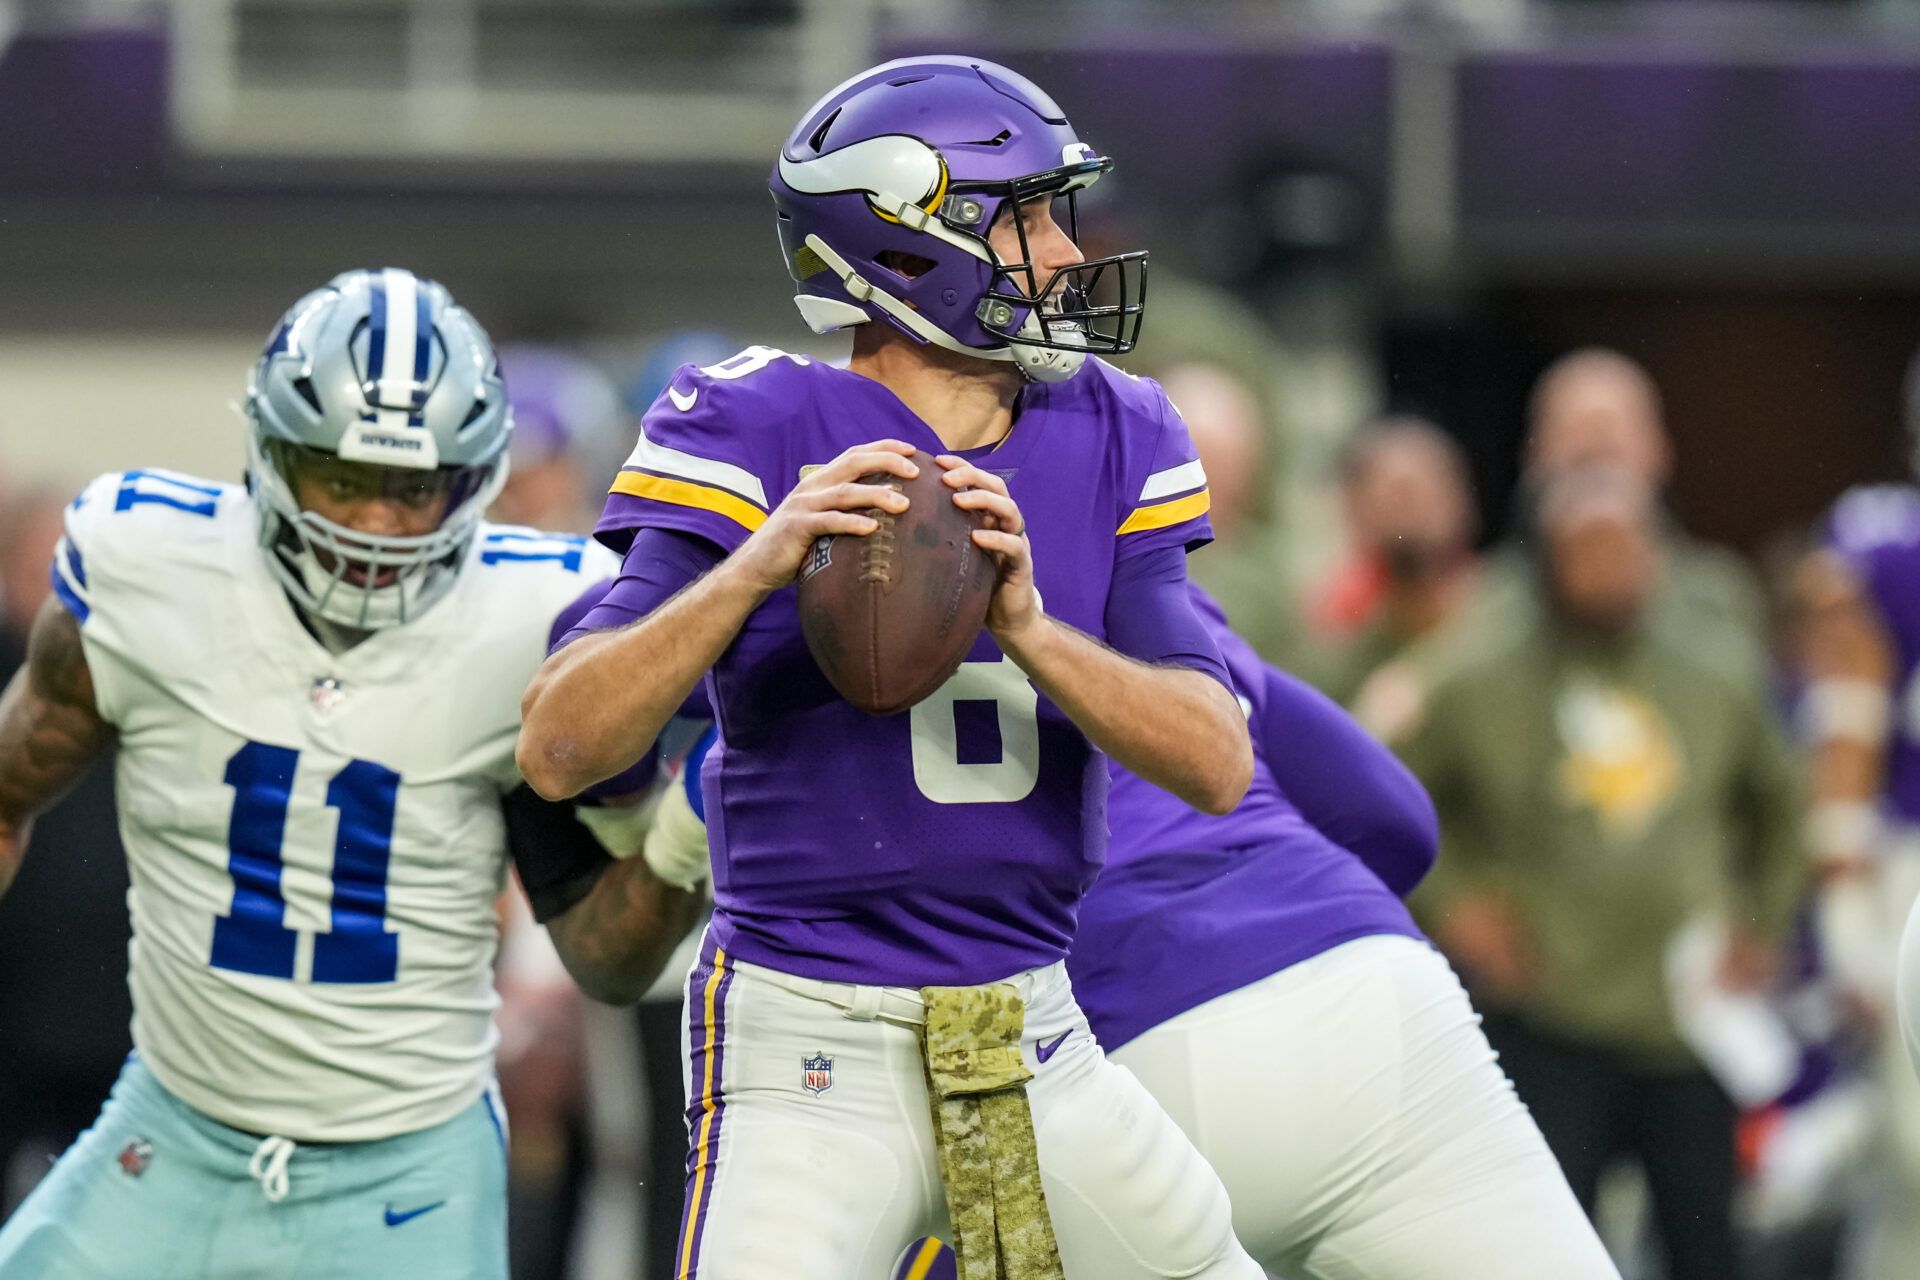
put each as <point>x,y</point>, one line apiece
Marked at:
<point>682,493</point>
<point>1162,514</point>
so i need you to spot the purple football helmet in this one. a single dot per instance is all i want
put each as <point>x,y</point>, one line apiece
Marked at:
<point>885,192</point>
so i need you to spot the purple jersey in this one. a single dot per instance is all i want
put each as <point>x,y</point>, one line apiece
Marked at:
<point>1877,529</point>
<point>950,844</point>
<point>1192,906</point>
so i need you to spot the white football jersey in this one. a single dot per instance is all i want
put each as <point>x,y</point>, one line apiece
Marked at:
<point>315,839</point>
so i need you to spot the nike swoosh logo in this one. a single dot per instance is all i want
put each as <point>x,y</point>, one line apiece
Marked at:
<point>395,1219</point>
<point>683,402</point>
<point>1045,1051</point>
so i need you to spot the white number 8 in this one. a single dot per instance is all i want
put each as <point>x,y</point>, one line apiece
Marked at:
<point>937,769</point>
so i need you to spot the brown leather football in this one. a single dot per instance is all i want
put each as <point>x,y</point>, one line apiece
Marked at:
<point>890,617</point>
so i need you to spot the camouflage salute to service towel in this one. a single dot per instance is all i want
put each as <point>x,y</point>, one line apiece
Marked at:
<point>984,1130</point>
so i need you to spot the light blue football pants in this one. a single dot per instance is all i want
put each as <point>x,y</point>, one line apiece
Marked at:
<point>155,1190</point>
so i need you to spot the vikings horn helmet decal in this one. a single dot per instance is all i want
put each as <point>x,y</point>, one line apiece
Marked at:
<point>886,190</point>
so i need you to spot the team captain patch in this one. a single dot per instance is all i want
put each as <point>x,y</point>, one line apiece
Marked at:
<point>816,1074</point>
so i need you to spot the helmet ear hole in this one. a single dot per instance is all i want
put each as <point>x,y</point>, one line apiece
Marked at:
<point>908,266</point>
<point>303,387</point>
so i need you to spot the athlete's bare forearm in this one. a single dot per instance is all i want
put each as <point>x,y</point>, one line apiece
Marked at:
<point>615,941</point>
<point>50,730</point>
<point>597,705</point>
<point>1176,727</point>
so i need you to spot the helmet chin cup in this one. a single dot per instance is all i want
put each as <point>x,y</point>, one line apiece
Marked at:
<point>1045,363</point>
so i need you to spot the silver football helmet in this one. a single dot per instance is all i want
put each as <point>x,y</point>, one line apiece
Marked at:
<point>377,386</point>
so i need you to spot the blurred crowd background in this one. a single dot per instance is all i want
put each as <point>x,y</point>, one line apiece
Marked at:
<point>1531,348</point>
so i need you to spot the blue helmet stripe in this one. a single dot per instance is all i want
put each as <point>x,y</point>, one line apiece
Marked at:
<point>422,345</point>
<point>377,334</point>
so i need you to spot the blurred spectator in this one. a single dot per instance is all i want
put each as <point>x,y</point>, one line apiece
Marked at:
<point>1223,415</point>
<point>1224,420</point>
<point>569,434</point>
<point>1859,598</point>
<point>1607,788</point>
<point>64,1011</point>
<point>30,525</point>
<point>1412,523</point>
<point>1227,376</point>
<point>1596,406</point>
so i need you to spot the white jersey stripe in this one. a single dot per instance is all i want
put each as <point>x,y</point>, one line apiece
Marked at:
<point>687,466</point>
<point>1163,484</point>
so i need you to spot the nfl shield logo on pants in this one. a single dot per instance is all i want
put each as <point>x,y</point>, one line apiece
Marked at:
<point>816,1074</point>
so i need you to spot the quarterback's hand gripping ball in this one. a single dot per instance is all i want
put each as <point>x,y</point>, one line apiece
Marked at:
<point>891,616</point>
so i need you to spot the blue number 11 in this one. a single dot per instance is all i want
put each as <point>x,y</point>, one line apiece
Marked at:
<point>253,937</point>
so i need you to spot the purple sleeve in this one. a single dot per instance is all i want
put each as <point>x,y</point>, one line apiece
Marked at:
<point>566,623</point>
<point>1150,614</point>
<point>1350,787</point>
<point>659,563</point>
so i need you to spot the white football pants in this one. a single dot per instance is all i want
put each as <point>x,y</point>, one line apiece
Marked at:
<point>1358,1118</point>
<point>812,1140</point>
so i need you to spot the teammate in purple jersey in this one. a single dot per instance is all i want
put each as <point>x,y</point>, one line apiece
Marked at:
<point>1860,598</point>
<point>1260,976</point>
<point>863,864</point>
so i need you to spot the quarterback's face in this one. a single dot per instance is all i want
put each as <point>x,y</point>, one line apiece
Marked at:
<point>1047,248</point>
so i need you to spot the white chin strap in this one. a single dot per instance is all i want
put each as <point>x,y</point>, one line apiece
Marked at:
<point>1042,364</point>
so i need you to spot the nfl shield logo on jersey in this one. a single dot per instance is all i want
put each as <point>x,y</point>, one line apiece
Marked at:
<point>816,1074</point>
<point>328,694</point>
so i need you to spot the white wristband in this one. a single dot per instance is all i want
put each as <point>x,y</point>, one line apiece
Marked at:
<point>1838,709</point>
<point>676,844</point>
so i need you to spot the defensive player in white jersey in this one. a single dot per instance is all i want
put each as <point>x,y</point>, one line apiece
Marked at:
<point>313,683</point>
